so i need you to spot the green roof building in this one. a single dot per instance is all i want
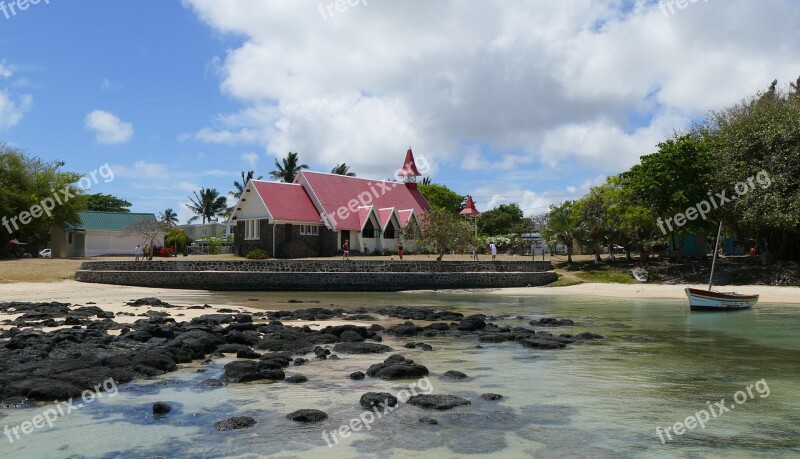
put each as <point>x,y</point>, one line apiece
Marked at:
<point>106,234</point>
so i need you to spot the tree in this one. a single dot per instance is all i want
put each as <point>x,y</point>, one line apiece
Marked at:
<point>36,195</point>
<point>169,217</point>
<point>442,231</point>
<point>503,220</point>
<point>207,205</point>
<point>176,237</point>
<point>107,203</point>
<point>442,197</point>
<point>287,171</point>
<point>760,138</point>
<point>592,212</point>
<point>147,229</point>
<point>564,226</point>
<point>343,169</point>
<point>238,190</point>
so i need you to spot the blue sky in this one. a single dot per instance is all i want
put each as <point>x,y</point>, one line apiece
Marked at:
<point>530,102</point>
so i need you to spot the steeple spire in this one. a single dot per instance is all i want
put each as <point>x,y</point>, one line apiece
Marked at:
<point>409,171</point>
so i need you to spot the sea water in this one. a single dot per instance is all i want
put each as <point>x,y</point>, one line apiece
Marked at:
<point>659,365</point>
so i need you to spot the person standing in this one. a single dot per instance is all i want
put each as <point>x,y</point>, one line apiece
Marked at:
<point>400,250</point>
<point>146,250</point>
<point>475,253</point>
<point>493,249</point>
<point>137,251</point>
<point>346,250</point>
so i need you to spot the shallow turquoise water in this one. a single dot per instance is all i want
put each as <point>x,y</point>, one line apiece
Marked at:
<point>659,365</point>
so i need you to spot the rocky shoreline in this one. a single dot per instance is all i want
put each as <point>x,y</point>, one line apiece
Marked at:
<point>87,346</point>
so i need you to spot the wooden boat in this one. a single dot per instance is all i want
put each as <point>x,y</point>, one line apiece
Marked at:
<point>707,300</point>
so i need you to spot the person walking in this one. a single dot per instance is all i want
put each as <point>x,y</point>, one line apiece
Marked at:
<point>137,251</point>
<point>493,249</point>
<point>346,250</point>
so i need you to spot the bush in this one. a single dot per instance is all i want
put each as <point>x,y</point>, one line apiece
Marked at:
<point>257,254</point>
<point>165,252</point>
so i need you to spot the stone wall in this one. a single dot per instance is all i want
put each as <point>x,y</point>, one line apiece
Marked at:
<point>316,281</point>
<point>332,265</point>
<point>317,275</point>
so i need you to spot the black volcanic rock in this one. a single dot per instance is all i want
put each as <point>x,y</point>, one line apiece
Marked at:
<point>235,423</point>
<point>307,416</point>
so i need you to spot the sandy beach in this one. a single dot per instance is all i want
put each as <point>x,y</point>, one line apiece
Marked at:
<point>769,294</point>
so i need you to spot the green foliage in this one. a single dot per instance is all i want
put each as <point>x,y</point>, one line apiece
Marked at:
<point>343,169</point>
<point>257,254</point>
<point>107,203</point>
<point>502,220</point>
<point>442,197</point>
<point>288,168</point>
<point>25,182</point>
<point>207,204</point>
<point>176,236</point>
<point>564,226</point>
<point>442,231</point>
<point>168,217</point>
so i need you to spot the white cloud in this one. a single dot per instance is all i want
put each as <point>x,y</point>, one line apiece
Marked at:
<point>598,82</point>
<point>143,170</point>
<point>251,159</point>
<point>108,127</point>
<point>13,109</point>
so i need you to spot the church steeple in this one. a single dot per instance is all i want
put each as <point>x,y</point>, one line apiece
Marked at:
<point>409,170</point>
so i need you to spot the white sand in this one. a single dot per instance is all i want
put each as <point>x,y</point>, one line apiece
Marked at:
<point>785,295</point>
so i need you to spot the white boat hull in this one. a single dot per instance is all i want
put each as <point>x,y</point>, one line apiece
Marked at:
<point>704,300</point>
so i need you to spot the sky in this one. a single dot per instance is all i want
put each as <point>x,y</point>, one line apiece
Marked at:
<point>530,101</point>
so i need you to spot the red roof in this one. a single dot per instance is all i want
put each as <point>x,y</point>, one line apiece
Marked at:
<point>403,216</point>
<point>338,194</point>
<point>385,216</point>
<point>287,202</point>
<point>409,166</point>
<point>469,208</point>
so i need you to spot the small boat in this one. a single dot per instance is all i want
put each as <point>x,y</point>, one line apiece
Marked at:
<point>707,300</point>
<point>640,274</point>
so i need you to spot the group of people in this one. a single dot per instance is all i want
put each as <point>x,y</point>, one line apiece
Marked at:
<point>492,249</point>
<point>346,250</point>
<point>141,252</point>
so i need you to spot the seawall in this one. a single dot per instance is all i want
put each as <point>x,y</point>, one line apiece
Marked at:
<point>318,275</point>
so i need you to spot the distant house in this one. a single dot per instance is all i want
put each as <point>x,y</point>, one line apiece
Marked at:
<point>105,233</point>
<point>314,216</point>
<point>205,230</point>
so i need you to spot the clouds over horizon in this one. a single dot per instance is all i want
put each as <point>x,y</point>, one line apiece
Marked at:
<point>533,84</point>
<point>108,128</point>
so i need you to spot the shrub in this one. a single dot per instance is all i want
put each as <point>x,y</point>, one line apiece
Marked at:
<point>165,252</point>
<point>257,254</point>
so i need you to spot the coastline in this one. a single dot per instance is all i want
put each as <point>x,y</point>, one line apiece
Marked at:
<point>769,294</point>
<point>113,297</point>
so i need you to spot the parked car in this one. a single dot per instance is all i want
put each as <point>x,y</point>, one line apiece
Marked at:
<point>46,253</point>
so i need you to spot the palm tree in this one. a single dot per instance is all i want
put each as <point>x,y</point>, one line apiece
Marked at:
<point>169,217</point>
<point>564,226</point>
<point>287,171</point>
<point>343,169</point>
<point>207,204</point>
<point>238,188</point>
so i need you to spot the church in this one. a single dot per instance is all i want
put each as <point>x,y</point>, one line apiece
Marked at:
<point>316,214</point>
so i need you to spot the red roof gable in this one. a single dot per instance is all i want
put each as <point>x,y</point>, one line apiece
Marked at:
<point>287,202</point>
<point>403,216</point>
<point>409,166</point>
<point>341,196</point>
<point>469,208</point>
<point>385,215</point>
